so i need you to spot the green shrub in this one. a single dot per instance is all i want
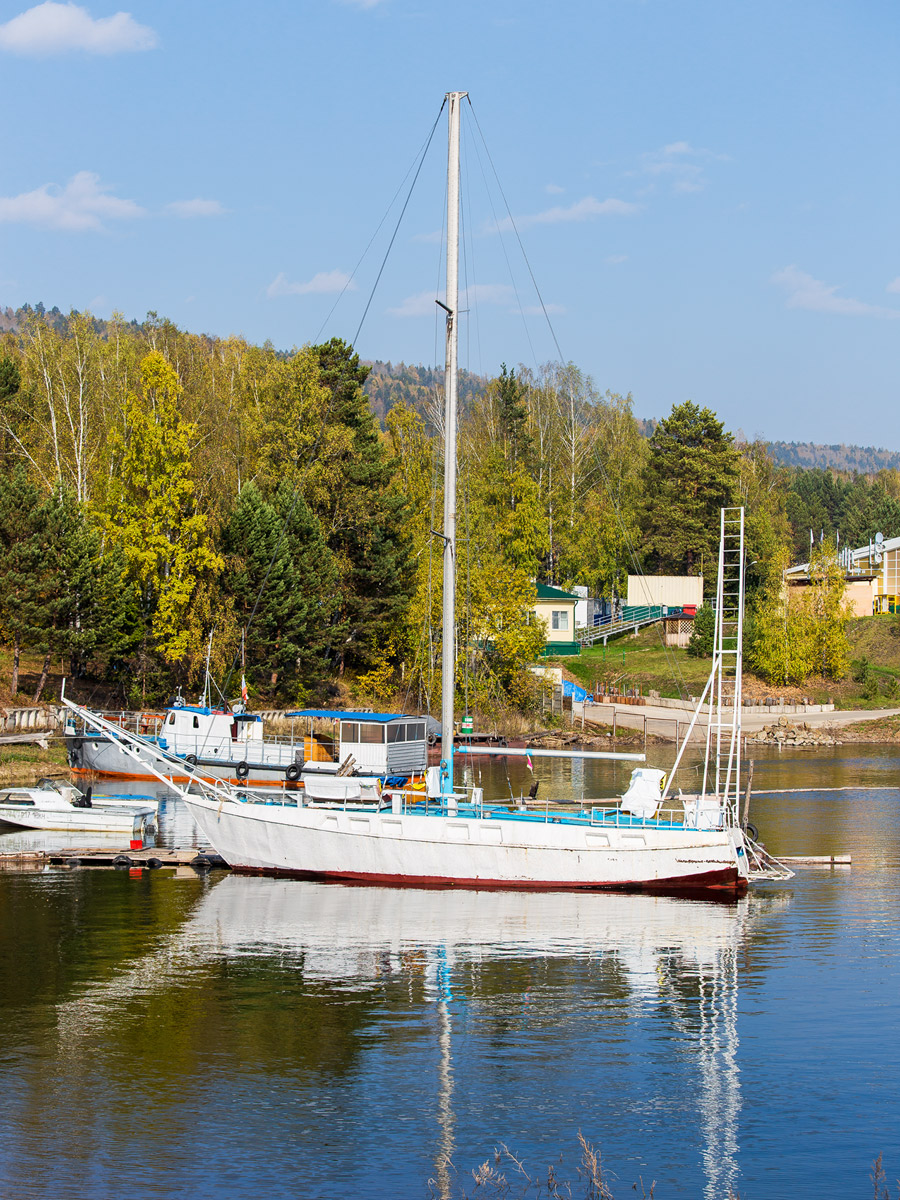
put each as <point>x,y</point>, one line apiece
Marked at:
<point>701,643</point>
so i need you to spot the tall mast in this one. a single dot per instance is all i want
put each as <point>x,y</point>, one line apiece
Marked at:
<point>448,650</point>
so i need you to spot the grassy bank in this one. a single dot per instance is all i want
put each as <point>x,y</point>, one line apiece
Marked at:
<point>642,661</point>
<point>26,764</point>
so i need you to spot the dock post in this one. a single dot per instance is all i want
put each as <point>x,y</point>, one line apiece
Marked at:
<point>746,814</point>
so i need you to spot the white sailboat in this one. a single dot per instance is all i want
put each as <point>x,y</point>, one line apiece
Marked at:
<point>448,838</point>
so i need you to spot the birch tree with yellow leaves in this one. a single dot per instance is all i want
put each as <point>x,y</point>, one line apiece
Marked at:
<point>150,511</point>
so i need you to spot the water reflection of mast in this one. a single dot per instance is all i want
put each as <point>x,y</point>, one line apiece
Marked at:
<point>446,1120</point>
<point>710,1018</point>
<point>720,1096</point>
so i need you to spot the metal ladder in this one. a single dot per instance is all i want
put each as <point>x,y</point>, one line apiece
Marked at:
<point>723,731</point>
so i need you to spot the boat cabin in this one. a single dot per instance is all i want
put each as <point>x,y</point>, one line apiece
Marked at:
<point>379,743</point>
<point>207,732</point>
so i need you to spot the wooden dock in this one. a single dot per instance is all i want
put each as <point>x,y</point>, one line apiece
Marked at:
<point>151,859</point>
<point>816,860</point>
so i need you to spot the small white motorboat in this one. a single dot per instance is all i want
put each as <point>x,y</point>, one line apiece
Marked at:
<point>89,798</point>
<point>53,805</point>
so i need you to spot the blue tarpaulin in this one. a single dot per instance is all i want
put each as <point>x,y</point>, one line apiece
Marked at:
<point>573,690</point>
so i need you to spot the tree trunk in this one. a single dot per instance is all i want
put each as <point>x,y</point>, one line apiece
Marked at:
<point>42,682</point>
<point>15,670</point>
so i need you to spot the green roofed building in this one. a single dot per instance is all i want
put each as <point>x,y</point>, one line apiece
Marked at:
<point>557,608</point>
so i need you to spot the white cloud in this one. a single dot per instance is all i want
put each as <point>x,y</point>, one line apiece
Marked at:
<point>487,293</point>
<point>195,208</point>
<point>803,291</point>
<point>613,259</point>
<point>674,148</point>
<point>83,204</point>
<point>323,284</point>
<point>682,163</point>
<point>894,285</point>
<point>419,305</point>
<point>581,210</point>
<point>52,28</point>
<point>553,189</point>
<point>361,4</point>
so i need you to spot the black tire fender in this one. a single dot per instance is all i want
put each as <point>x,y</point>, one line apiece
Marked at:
<point>242,770</point>
<point>752,832</point>
<point>293,772</point>
<point>121,861</point>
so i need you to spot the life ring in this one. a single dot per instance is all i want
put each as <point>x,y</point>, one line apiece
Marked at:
<point>292,774</point>
<point>242,770</point>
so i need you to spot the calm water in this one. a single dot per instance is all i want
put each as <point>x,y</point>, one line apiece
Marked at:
<point>221,1036</point>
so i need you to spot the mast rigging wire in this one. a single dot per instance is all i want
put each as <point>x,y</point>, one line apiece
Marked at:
<point>673,666</point>
<point>397,226</point>
<point>314,449</point>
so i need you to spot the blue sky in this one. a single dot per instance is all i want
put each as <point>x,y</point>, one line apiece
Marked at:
<point>708,193</point>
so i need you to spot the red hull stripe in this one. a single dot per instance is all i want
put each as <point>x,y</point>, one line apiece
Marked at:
<point>725,880</point>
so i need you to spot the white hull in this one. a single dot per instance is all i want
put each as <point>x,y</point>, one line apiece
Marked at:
<point>96,820</point>
<point>103,756</point>
<point>413,849</point>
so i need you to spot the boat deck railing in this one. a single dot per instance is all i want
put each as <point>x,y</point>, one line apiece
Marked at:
<point>275,750</point>
<point>405,801</point>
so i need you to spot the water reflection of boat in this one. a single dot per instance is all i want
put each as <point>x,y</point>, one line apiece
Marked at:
<point>670,956</point>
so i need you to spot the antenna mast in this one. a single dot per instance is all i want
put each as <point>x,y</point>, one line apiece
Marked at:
<point>448,649</point>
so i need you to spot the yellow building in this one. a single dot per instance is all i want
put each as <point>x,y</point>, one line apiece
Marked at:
<point>872,577</point>
<point>557,608</point>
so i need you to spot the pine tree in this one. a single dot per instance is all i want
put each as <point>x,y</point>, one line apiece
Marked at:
<point>363,518</point>
<point>281,577</point>
<point>22,555</point>
<point>691,473</point>
<point>512,403</point>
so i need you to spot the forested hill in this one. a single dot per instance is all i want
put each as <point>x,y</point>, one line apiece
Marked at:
<point>419,387</point>
<point>422,388</point>
<point>865,460</point>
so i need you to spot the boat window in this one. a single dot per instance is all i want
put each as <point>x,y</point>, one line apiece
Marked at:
<point>370,733</point>
<point>171,718</point>
<point>349,731</point>
<point>416,733</point>
<point>196,722</point>
<point>396,733</point>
